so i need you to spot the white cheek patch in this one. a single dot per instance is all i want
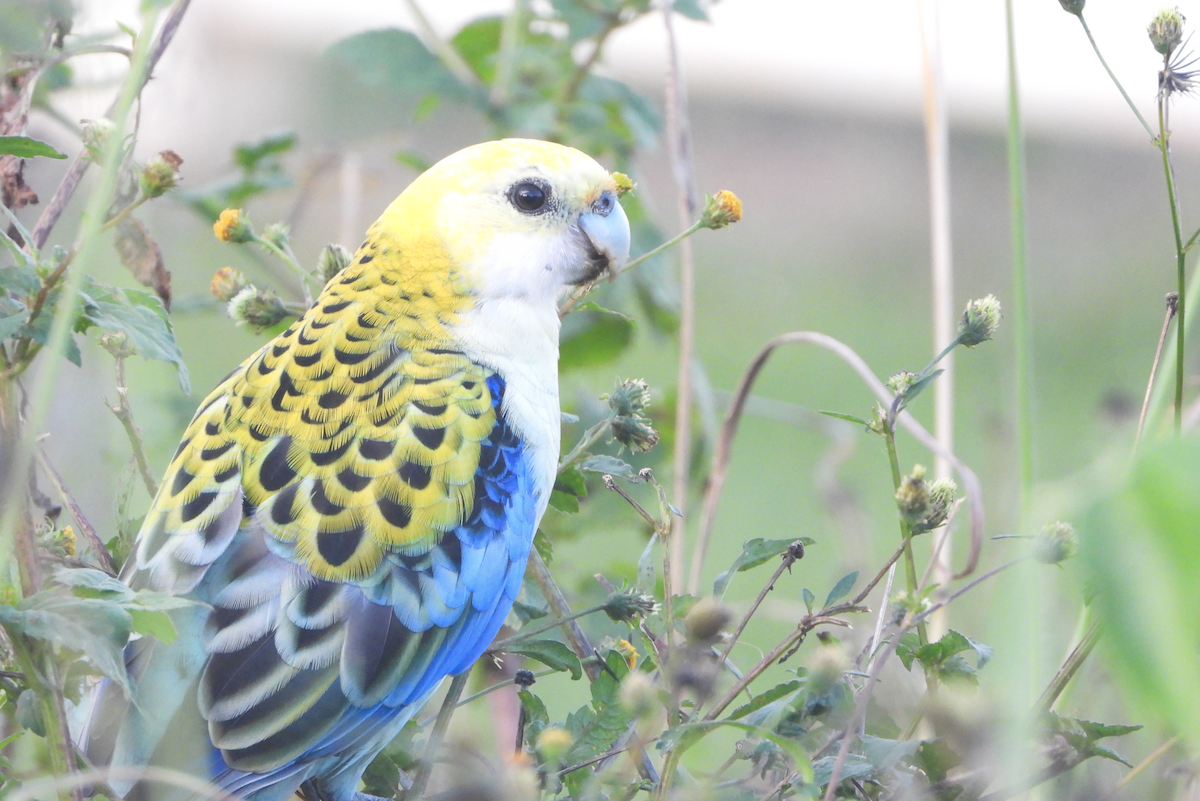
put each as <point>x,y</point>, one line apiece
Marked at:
<point>527,265</point>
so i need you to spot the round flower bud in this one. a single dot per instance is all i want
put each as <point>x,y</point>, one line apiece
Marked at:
<point>277,234</point>
<point>721,210</point>
<point>227,282</point>
<point>553,743</point>
<point>333,260</point>
<point>260,308</point>
<point>1166,31</point>
<point>160,174</point>
<point>1073,6</point>
<point>624,184</point>
<point>639,695</point>
<point>630,606</point>
<point>705,621</point>
<point>912,498</point>
<point>1055,543</point>
<point>979,322</point>
<point>230,227</point>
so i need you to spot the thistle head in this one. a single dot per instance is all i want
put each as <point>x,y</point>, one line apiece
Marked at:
<point>979,322</point>
<point>1166,31</point>
<point>1055,543</point>
<point>161,174</point>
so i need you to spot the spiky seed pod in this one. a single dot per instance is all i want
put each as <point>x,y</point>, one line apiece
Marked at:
<point>1055,543</point>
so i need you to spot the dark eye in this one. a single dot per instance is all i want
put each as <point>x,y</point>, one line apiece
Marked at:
<point>529,196</point>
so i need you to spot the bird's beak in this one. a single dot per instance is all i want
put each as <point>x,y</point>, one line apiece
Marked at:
<point>606,229</point>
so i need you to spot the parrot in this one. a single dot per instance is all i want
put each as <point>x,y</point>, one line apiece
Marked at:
<point>352,508</point>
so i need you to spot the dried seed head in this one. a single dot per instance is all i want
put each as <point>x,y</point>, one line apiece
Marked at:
<point>1073,6</point>
<point>227,282</point>
<point>161,174</point>
<point>629,606</point>
<point>624,184</point>
<point>277,234</point>
<point>630,427</point>
<point>260,308</point>
<point>333,260</point>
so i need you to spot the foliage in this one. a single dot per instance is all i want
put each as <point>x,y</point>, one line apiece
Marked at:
<point>664,682</point>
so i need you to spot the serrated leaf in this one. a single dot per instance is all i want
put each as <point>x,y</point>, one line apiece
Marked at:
<point>536,716</point>
<point>141,317</point>
<point>24,147</point>
<point>841,589</point>
<point>550,653</point>
<point>849,418</point>
<point>1098,731</point>
<point>29,713</point>
<point>754,553</point>
<point>97,628</point>
<point>611,465</point>
<point>598,727</point>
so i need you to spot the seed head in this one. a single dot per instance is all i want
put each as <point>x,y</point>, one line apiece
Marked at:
<point>624,184</point>
<point>721,210</point>
<point>706,620</point>
<point>942,494</point>
<point>1073,6</point>
<point>901,381</point>
<point>277,235</point>
<point>260,308</point>
<point>1055,543</point>
<point>230,227</point>
<point>630,427</point>
<point>160,174</point>
<point>630,606</point>
<point>95,135</point>
<point>1166,31</point>
<point>979,322</point>
<point>553,743</point>
<point>638,694</point>
<point>333,260</point>
<point>912,498</point>
<point>227,282</point>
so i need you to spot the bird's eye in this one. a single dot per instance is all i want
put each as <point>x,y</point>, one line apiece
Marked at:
<point>529,196</point>
<point>604,204</point>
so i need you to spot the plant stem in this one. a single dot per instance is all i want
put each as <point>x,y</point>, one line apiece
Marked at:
<point>445,51</point>
<point>125,414</point>
<point>558,603</point>
<point>1164,148</point>
<point>525,634</point>
<point>85,526</point>
<point>1070,667</point>
<point>588,439</point>
<point>1120,88</point>
<point>789,559</point>
<point>910,566</point>
<point>449,704</point>
<point>1172,307</point>
<point>679,145</point>
<point>1020,304</point>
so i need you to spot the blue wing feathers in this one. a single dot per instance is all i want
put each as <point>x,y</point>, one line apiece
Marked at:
<point>302,679</point>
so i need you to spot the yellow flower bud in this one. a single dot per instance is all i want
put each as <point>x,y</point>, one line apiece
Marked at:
<point>721,210</point>
<point>230,227</point>
<point>624,184</point>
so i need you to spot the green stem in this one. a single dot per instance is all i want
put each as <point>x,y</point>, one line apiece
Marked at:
<point>1117,83</point>
<point>525,634</point>
<point>1070,667</point>
<point>1020,304</point>
<point>1180,258</point>
<point>910,566</point>
<point>449,704</point>
<point>288,258</point>
<point>589,439</point>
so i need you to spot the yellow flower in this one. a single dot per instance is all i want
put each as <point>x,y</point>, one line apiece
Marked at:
<point>623,182</point>
<point>68,540</point>
<point>230,227</point>
<point>626,649</point>
<point>226,283</point>
<point>722,209</point>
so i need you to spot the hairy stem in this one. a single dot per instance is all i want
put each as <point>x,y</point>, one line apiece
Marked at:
<point>1164,136</point>
<point>124,413</point>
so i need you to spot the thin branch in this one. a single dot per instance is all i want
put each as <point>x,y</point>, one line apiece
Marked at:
<point>722,454</point>
<point>679,145</point>
<point>793,554</point>
<point>1120,88</point>
<point>1172,307</point>
<point>124,413</point>
<point>70,182</point>
<point>558,604</point>
<point>1067,671</point>
<point>85,527</point>
<point>449,704</point>
<point>533,631</point>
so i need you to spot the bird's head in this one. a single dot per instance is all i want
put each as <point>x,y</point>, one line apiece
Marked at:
<point>516,218</point>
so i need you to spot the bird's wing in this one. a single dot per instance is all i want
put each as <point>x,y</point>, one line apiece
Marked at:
<point>358,513</point>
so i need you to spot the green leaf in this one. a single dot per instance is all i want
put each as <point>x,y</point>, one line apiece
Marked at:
<point>886,754</point>
<point>25,148</point>
<point>754,553</point>
<point>9,326</point>
<point>550,653</point>
<point>477,42</point>
<point>809,599</point>
<point>849,418</point>
<point>569,487</point>
<point>154,624</point>
<point>1140,550</point>
<point>396,60</point>
<point>692,9</point>
<point>591,338</point>
<point>141,317</point>
<point>97,628</point>
<point>854,767</point>
<point>29,713</point>
<point>647,567</point>
<point>774,694</point>
<point>544,546</point>
<point>841,589</point>
<point>536,716</point>
<point>597,727</point>
<point>564,502</point>
<point>611,465</point>
<point>919,386</point>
